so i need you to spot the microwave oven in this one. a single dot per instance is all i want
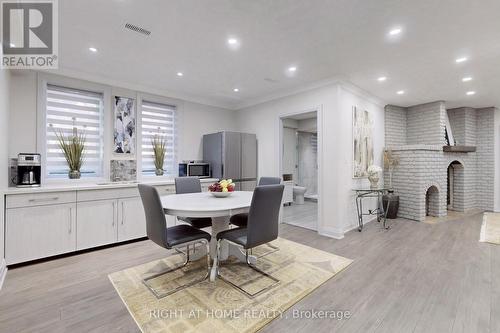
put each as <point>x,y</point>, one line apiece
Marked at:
<point>194,169</point>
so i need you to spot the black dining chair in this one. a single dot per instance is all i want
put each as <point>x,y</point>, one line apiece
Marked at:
<point>175,237</point>
<point>262,228</point>
<point>185,185</point>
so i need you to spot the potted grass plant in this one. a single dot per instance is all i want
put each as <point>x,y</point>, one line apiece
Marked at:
<point>73,148</point>
<point>159,142</point>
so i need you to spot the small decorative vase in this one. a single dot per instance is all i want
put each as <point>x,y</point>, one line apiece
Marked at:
<point>74,174</point>
<point>159,172</point>
<point>373,180</point>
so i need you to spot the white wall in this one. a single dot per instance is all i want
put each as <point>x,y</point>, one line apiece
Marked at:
<point>335,103</point>
<point>22,117</point>
<point>4,136</point>
<point>199,119</point>
<point>195,119</point>
<point>348,98</point>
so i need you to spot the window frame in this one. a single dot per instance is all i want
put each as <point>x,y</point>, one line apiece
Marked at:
<point>178,104</point>
<point>43,80</point>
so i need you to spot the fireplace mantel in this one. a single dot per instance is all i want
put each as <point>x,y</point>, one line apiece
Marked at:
<point>459,149</point>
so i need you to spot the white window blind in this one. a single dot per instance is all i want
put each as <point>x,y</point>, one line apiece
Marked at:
<point>68,109</point>
<point>158,119</point>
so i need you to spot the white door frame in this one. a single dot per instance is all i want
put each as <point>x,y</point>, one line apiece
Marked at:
<point>279,130</point>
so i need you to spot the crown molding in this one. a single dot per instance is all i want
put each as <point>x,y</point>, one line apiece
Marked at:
<point>138,87</point>
<point>289,92</point>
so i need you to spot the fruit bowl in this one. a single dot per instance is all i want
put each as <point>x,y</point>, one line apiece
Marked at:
<point>221,194</point>
<point>222,189</point>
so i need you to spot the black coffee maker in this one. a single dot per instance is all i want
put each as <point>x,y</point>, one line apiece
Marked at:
<point>29,168</point>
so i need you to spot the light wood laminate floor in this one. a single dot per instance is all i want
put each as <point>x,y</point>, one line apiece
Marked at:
<point>416,277</point>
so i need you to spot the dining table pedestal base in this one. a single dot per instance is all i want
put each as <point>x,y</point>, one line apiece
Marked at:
<point>226,248</point>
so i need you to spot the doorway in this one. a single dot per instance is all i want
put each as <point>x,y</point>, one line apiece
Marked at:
<point>299,168</point>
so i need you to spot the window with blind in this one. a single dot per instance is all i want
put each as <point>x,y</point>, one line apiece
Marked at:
<point>160,120</point>
<point>67,111</point>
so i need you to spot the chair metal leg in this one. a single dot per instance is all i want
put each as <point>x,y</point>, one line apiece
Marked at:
<point>186,261</point>
<point>187,249</point>
<point>276,281</point>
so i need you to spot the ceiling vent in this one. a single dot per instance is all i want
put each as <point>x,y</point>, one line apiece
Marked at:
<point>137,29</point>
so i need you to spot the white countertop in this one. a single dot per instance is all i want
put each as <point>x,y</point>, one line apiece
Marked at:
<point>79,185</point>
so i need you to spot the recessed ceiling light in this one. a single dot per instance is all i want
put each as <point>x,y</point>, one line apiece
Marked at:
<point>180,74</point>
<point>292,69</point>
<point>470,93</point>
<point>92,49</point>
<point>12,45</point>
<point>461,59</point>
<point>233,43</point>
<point>395,31</point>
<point>467,79</point>
<point>400,92</point>
<point>382,79</point>
<point>236,90</point>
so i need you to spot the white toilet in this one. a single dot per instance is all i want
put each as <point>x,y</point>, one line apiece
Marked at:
<point>298,194</point>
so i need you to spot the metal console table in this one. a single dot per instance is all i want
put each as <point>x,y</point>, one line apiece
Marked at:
<point>362,193</point>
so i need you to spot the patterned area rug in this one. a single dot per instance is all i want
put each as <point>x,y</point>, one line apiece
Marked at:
<point>218,306</point>
<point>490,229</point>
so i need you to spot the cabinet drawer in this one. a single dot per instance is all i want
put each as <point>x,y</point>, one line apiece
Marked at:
<point>104,194</point>
<point>39,199</point>
<point>165,189</point>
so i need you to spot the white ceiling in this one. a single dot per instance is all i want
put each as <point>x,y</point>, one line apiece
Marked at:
<point>324,39</point>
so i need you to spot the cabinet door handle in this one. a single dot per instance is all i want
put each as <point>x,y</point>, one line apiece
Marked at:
<point>70,219</point>
<point>44,199</point>
<point>113,224</point>
<point>123,214</point>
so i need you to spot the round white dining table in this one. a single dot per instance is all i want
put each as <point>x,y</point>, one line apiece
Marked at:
<point>204,204</point>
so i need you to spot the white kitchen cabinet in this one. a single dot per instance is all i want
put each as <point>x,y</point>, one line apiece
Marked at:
<point>131,219</point>
<point>39,231</point>
<point>44,222</point>
<point>97,223</point>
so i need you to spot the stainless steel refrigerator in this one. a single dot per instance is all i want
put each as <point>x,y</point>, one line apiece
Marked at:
<point>232,155</point>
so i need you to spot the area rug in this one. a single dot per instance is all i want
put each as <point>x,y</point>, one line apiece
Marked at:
<point>490,229</point>
<point>218,306</point>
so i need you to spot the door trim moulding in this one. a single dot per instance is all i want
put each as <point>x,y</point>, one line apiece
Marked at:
<point>321,228</point>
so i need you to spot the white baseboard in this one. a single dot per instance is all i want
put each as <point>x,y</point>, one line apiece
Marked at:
<point>339,234</point>
<point>352,227</point>
<point>3,272</point>
<point>330,233</point>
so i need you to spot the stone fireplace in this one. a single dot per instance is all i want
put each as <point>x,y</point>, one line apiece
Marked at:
<point>432,205</point>
<point>431,179</point>
<point>455,195</point>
